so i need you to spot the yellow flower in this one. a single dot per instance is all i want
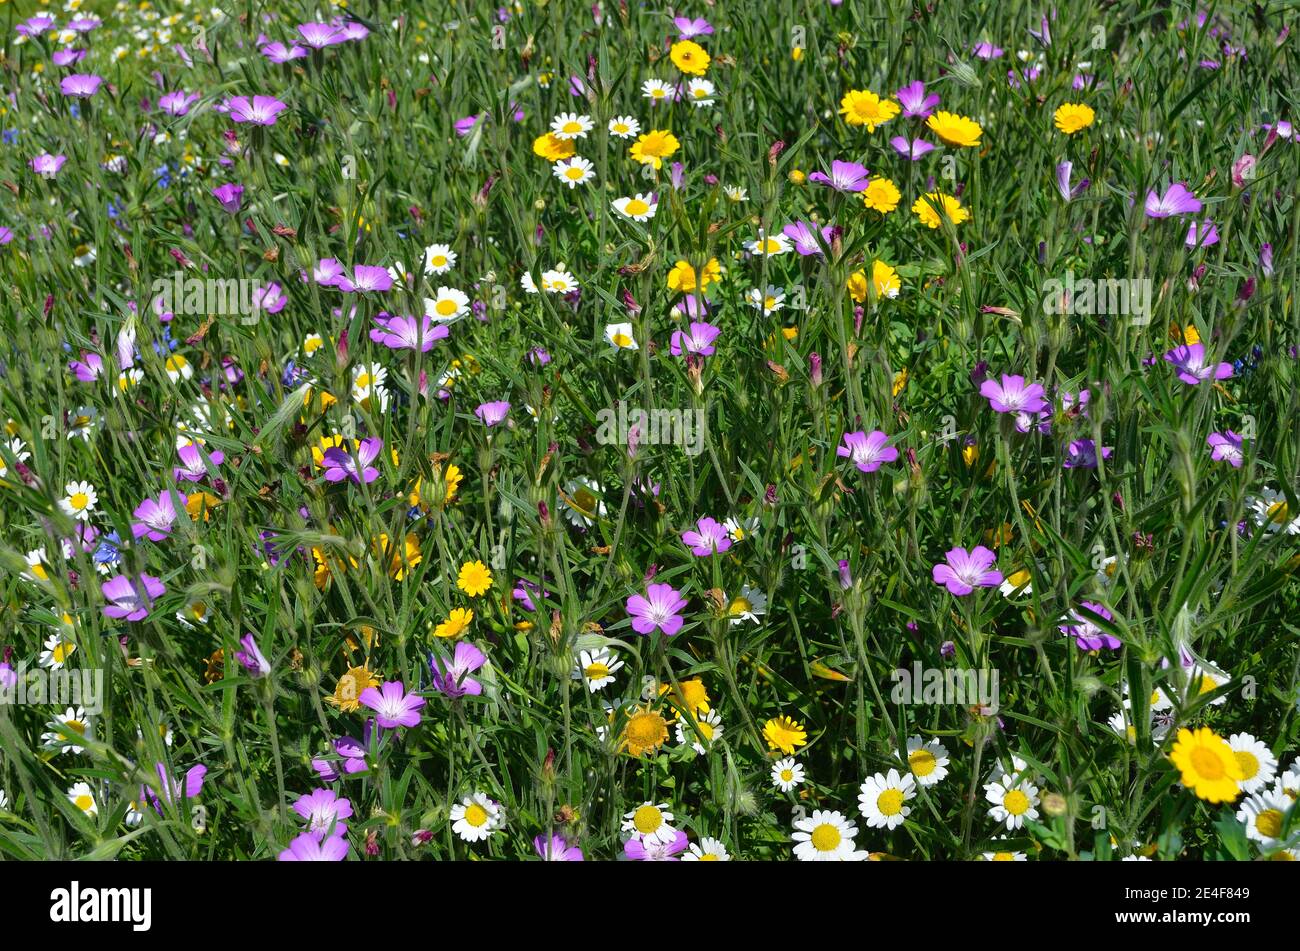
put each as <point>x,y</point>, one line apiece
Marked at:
<point>900,380</point>
<point>552,148</point>
<point>797,177</point>
<point>784,734</point>
<point>881,195</point>
<point>954,129</point>
<point>682,277</point>
<point>1209,767</point>
<point>474,578</point>
<point>451,480</point>
<point>644,732</point>
<point>350,686</point>
<point>885,279</point>
<point>653,147</point>
<point>694,696</point>
<point>455,624</point>
<point>933,207</point>
<point>861,107</point>
<point>690,57</point>
<point>1073,116</point>
<point>399,562</point>
<point>796,53</point>
<point>201,503</point>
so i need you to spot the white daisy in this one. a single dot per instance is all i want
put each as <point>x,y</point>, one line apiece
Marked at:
<point>527,283</point>
<point>81,796</point>
<point>447,304</point>
<point>439,259</point>
<point>638,207</point>
<point>787,773</point>
<point>37,566</point>
<point>570,125</point>
<point>17,449</point>
<point>769,301</point>
<point>311,343</point>
<point>928,761</point>
<point>708,850</point>
<point>81,422</point>
<point>79,500</point>
<point>709,726</point>
<point>620,336</point>
<point>1271,512</point>
<point>826,836</point>
<point>1262,814</point>
<point>558,280</point>
<point>597,668</point>
<point>884,799</point>
<point>1257,762</point>
<point>57,651</point>
<point>769,245</point>
<point>749,605</point>
<point>1003,855</point>
<point>574,171</point>
<point>367,378</point>
<point>1013,801</point>
<point>624,127</point>
<point>653,823</point>
<point>656,90</point>
<point>736,193</point>
<point>65,729</point>
<point>475,817</point>
<point>700,92</point>
<point>584,502</point>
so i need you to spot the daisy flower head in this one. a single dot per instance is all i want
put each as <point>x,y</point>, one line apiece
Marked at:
<point>597,668</point>
<point>785,734</point>
<point>955,130</point>
<point>881,195</point>
<point>574,171</point>
<point>439,259</point>
<point>624,127</point>
<point>620,336</point>
<point>707,850</point>
<point>644,732</point>
<point>474,578</point>
<point>928,760</point>
<point>657,91</point>
<point>768,301</point>
<point>83,797</point>
<point>639,207</point>
<point>1073,117</point>
<point>652,147</point>
<point>1209,766</point>
<point>826,836</point>
<point>690,57</point>
<point>79,500</point>
<point>1263,814</point>
<point>553,148</point>
<point>476,817</point>
<point>769,245</point>
<point>884,798</point>
<point>701,733</point>
<point>934,207</point>
<point>861,107</point>
<point>787,773</point>
<point>700,93</point>
<point>570,125</point>
<point>749,605</point>
<point>1257,762</point>
<point>1013,801</point>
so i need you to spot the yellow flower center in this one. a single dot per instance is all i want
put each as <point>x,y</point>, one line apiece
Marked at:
<point>1248,763</point>
<point>826,838</point>
<point>476,815</point>
<point>1207,763</point>
<point>85,802</point>
<point>922,762</point>
<point>636,207</point>
<point>1269,823</point>
<point>1016,802</point>
<point>572,128</point>
<point>79,500</point>
<point>596,671</point>
<point>787,775</point>
<point>647,819</point>
<point>445,307</point>
<point>890,802</point>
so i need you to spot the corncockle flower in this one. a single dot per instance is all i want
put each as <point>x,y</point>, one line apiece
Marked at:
<point>353,753</point>
<point>1243,170</point>
<point>1189,359</point>
<point>646,849</point>
<point>408,333</point>
<point>270,298</point>
<point>911,149</point>
<point>1266,259</point>
<point>177,103</point>
<point>131,600</point>
<point>1063,182</point>
<point>324,812</point>
<point>557,849</point>
<point>710,538</point>
<point>657,610</point>
<point>47,164</point>
<point>174,788</point>
<point>1041,421</point>
<point>1202,234</point>
<point>89,368</point>
<point>1086,633</point>
<point>231,197</point>
<point>688,28</point>
<point>1082,454</point>
<point>365,277</point>
<point>801,235</point>
<point>1013,395</point>
<point>967,570</point>
<point>353,30</point>
<point>844,177</point>
<point>915,102</point>
<point>452,676</point>
<point>320,35</point>
<point>867,450</point>
<point>251,658</point>
<point>328,272</point>
<point>279,53</point>
<point>492,413</point>
<point>80,85</point>
<point>1176,200</point>
<point>259,110</point>
<point>987,51</point>
<point>340,464</point>
<point>697,339</point>
<point>310,847</point>
<point>68,57</point>
<point>157,516</point>
<point>393,706</point>
<point>1226,446</point>
<point>192,467</point>
<point>35,26</point>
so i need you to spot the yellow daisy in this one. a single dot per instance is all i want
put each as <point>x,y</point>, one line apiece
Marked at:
<point>862,107</point>
<point>690,57</point>
<point>881,195</point>
<point>1208,765</point>
<point>954,129</point>
<point>784,734</point>
<point>933,207</point>
<point>474,578</point>
<point>653,147</point>
<point>1073,116</point>
<point>455,624</point>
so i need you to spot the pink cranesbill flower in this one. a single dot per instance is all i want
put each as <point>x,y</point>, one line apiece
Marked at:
<point>710,538</point>
<point>131,600</point>
<point>641,849</point>
<point>80,85</point>
<point>174,788</point>
<point>911,149</point>
<point>1082,454</point>
<point>324,812</point>
<point>698,338</point>
<point>1189,360</point>
<point>492,413</point>
<point>192,467</point>
<point>156,516</point>
<point>557,849</point>
<point>231,197</point>
<point>340,464</point>
<point>258,110</point>
<point>1013,395</point>
<point>47,164</point>
<point>1226,447</point>
<point>964,571</point>
<point>1087,635</point>
<point>177,103</point>
<point>867,450</point>
<point>915,102</point>
<point>844,177</point>
<point>310,847</point>
<point>408,333</point>
<point>657,610</point>
<point>1177,200</point>
<point>393,706</point>
<point>251,657</point>
<point>452,677</point>
<point>365,277</point>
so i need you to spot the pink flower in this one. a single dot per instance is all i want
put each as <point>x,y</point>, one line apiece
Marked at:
<point>658,610</point>
<point>867,450</point>
<point>966,570</point>
<point>408,333</point>
<point>711,538</point>
<point>131,600</point>
<point>309,847</point>
<point>1189,359</point>
<point>1176,200</point>
<point>393,706</point>
<point>340,465</point>
<point>1013,395</point>
<point>640,850</point>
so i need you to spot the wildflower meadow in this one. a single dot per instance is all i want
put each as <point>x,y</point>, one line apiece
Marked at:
<point>563,431</point>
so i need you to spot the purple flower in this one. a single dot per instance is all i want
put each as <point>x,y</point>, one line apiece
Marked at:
<point>711,538</point>
<point>259,110</point>
<point>270,298</point>
<point>67,57</point>
<point>231,197</point>
<point>915,103</point>
<point>964,571</point>
<point>320,35</point>
<point>353,753</point>
<point>844,177</point>
<point>1012,395</point>
<point>1225,446</point>
<point>324,812</point>
<point>312,848</point>
<point>174,789</point>
<point>452,677</point>
<point>805,242</point>
<point>657,610</point>
<point>492,413</point>
<point>698,339</point>
<point>157,516</point>
<point>80,85</point>
<point>279,53</point>
<point>340,465</point>
<point>177,103</point>
<point>192,467</point>
<point>911,149</point>
<point>251,658</point>
<point>89,368</point>
<point>131,600</point>
<point>35,26</point>
<point>47,164</point>
<point>688,28</point>
<point>867,450</point>
<point>557,849</point>
<point>365,277</point>
<point>1266,259</point>
<point>393,706</point>
<point>6,235</point>
<point>1176,200</point>
<point>1082,454</point>
<point>987,51</point>
<point>1202,234</point>
<point>1189,359</point>
<point>1063,182</point>
<point>1087,634</point>
<point>408,333</point>
<point>639,849</point>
